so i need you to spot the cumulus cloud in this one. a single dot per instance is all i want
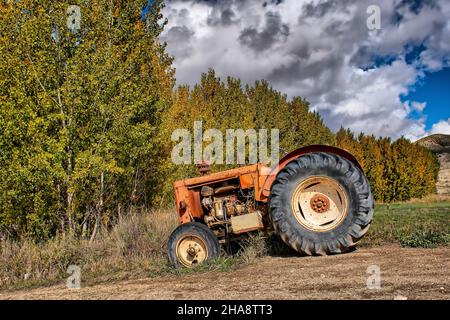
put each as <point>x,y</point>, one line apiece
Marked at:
<point>442,126</point>
<point>273,31</point>
<point>321,50</point>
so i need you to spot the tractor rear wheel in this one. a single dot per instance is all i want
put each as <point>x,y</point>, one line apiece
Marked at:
<point>320,204</point>
<point>191,244</point>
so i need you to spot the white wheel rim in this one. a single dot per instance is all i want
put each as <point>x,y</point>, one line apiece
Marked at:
<point>319,203</point>
<point>191,250</point>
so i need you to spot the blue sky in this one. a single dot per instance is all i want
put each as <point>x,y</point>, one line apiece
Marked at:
<point>392,81</point>
<point>434,89</point>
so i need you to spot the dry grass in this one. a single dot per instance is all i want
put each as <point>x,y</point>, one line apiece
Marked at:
<point>133,248</point>
<point>136,246</point>
<point>253,248</point>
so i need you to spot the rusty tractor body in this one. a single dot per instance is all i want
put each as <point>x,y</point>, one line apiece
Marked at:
<point>316,199</point>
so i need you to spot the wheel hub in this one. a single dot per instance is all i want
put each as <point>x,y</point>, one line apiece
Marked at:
<point>320,203</point>
<point>192,252</point>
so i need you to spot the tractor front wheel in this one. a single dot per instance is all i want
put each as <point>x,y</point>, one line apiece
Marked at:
<point>191,244</point>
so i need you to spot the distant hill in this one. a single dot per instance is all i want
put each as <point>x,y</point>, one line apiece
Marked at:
<point>440,145</point>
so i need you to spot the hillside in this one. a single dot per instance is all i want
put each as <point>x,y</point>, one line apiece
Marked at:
<point>440,145</point>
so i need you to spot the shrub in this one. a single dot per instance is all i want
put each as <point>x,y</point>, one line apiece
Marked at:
<point>424,237</point>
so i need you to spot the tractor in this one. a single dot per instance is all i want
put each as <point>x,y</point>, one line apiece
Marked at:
<point>316,199</point>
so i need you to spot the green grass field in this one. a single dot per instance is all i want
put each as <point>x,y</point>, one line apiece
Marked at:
<point>410,225</point>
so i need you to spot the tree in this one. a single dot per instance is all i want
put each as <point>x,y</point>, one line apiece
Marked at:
<point>80,112</point>
<point>397,170</point>
<point>373,160</point>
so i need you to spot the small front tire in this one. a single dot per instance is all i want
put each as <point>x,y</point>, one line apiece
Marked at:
<point>191,244</point>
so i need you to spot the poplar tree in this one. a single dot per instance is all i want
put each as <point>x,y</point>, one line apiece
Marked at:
<point>82,92</point>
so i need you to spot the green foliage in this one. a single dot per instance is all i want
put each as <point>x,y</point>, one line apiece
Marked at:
<point>424,238</point>
<point>79,114</point>
<point>397,171</point>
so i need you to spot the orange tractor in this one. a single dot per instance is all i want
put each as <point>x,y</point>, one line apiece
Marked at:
<point>316,199</point>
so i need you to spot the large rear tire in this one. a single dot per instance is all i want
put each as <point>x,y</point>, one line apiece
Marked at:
<point>320,204</point>
<point>192,244</point>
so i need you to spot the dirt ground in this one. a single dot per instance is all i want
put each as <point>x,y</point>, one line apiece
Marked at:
<point>412,273</point>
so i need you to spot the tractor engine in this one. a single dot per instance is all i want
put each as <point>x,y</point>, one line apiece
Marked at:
<point>228,208</point>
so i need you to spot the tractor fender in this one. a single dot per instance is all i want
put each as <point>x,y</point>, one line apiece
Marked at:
<point>299,152</point>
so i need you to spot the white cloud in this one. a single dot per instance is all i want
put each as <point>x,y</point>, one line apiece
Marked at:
<point>320,50</point>
<point>418,106</point>
<point>442,126</point>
